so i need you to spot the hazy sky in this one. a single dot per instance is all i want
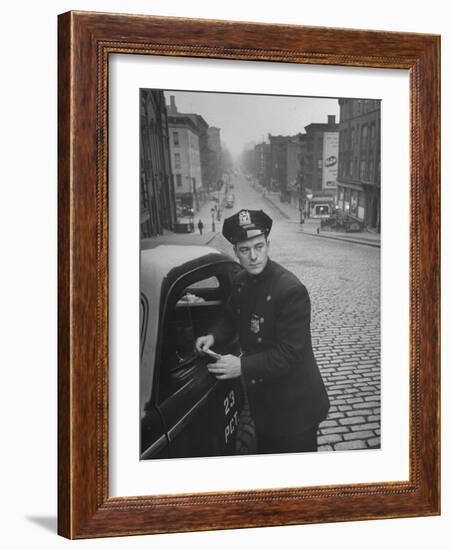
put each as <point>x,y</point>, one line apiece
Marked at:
<point>245,118</point>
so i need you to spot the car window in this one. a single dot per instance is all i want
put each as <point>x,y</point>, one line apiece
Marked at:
<point>184,323</point>
<point>200,292</point>
<point>209,282</point>
<point>195,306</point>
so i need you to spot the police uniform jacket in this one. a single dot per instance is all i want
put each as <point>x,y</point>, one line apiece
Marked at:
<point>271,313</point>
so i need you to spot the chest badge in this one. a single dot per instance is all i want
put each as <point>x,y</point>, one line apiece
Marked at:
<point>255,323</point>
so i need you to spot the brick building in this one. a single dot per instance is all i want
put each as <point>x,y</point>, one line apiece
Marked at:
<point>215,155</point>
<point>262,163</point>
<point>157,200</point>
<point>285,164</point>
<point>184,142</point>
<point>358,192</point>
<point>318,160</point>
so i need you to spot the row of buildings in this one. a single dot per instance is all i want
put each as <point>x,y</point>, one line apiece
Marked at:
<point>180,163</point>
<point>330,167</point>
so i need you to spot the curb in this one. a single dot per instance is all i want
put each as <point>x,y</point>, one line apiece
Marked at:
<point>284,214</point>
<point>344,240</point>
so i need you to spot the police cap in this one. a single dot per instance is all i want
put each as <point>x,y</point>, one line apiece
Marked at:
<point>245,225</point>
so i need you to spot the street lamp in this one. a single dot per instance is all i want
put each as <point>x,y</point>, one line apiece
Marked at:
<point>212,213</point>
<point>309,197</point>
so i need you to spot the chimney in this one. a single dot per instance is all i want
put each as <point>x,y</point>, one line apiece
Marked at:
<point>172,108</point>
<point>331,119</point>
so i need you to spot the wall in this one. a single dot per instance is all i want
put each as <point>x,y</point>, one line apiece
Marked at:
<point>28,290</point>
<point>190,164</point>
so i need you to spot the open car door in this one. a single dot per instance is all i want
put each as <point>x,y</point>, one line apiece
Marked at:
<point>199,413</point>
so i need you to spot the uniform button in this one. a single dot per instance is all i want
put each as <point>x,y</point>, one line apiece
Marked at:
<point>253,381</point>
<point>238,310</point>
<point>259,339</point>
<point>261,380</point>
<point>269,298</point>
<point>261,319</point>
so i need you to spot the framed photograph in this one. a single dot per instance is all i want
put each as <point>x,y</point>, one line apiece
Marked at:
<point>248,275</point>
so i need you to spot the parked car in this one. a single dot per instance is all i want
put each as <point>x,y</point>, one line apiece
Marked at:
<point>185,411</point>
<point>340,221</point>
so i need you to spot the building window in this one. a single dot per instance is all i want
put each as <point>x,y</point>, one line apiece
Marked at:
<point>178,180</point>
<point>176,138</point>
<point>361,199</point>
<point>354,202</point>
<point>343,140</point>
<point>144,193</point>
<point>362,169</point>
<point>176,160</point>
<point>371,170</point>
<point>355,167</point>
<point>372,134</point>
<point>364,136</point>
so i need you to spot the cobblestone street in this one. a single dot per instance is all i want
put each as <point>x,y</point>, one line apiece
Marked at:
<point>343,280</point>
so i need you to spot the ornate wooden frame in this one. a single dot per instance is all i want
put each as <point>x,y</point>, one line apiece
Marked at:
<point>85,42</point>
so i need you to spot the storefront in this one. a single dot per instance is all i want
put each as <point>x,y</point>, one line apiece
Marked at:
<point>352,201</point>
<point>321,207</point>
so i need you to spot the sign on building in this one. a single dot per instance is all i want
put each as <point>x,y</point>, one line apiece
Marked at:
<point>330,158</point>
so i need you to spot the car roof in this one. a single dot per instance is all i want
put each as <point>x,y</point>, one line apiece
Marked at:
<point>157,262</point>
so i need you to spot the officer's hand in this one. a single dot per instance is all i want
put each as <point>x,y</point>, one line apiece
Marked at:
<point>229,366</point>
<point>203,343</point>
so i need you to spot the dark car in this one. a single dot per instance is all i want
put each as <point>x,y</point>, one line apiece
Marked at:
<point>185,411</point>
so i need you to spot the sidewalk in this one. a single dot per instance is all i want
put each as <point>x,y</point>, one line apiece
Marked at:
<point>168,237</point>
<point>311,226</point>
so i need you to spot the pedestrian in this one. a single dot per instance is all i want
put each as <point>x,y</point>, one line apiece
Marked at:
<point>200,227</point>
<point>269,309</point>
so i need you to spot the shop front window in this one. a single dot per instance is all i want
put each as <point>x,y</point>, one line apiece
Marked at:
<point>354,203</point>
<point>322,210</point>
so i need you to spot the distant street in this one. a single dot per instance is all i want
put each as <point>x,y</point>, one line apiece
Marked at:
<point>343,280</point>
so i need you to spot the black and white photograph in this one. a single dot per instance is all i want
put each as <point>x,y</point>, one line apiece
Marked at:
<point>259,274</point>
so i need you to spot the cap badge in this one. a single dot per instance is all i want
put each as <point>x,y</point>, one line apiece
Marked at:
<point>244,217</point>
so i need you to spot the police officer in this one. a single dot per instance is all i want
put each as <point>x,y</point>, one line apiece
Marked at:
<point>270,309</point>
